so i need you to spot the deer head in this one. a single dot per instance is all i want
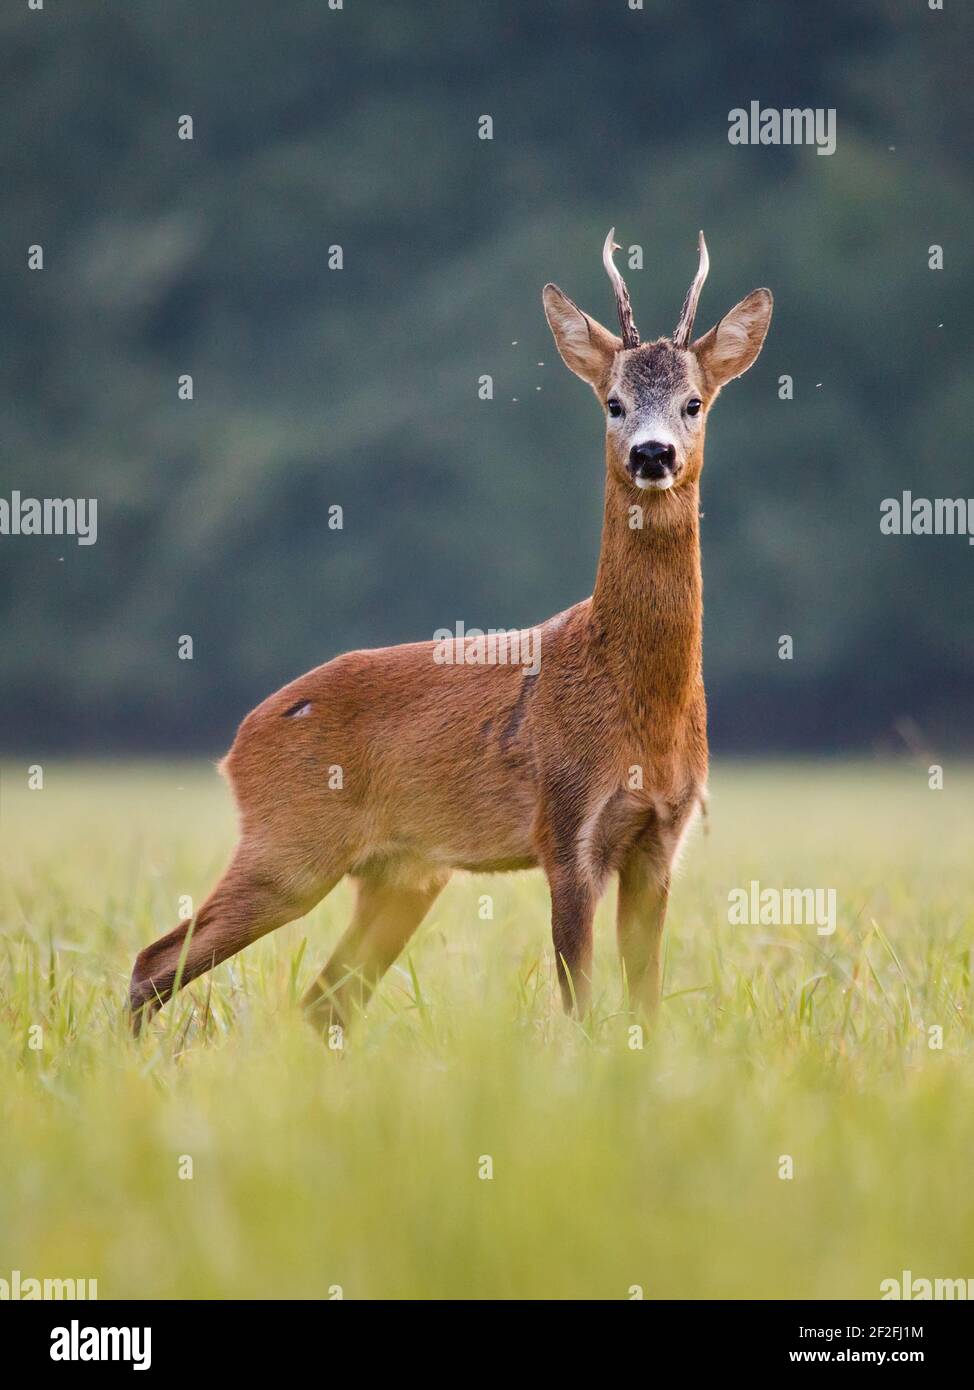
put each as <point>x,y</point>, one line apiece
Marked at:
<point>657,395</point>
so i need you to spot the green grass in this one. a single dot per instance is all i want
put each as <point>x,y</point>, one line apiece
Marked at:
<point>612,1166</point>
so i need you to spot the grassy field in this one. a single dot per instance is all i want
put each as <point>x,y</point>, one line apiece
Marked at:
<point>613,1166</point>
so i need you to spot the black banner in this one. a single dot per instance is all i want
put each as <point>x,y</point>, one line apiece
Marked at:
<point>157,1338</point>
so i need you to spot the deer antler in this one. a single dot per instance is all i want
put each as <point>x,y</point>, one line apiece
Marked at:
<point>681,334</point>
<point>630,335</point>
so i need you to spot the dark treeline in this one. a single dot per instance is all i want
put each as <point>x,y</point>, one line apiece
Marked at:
<point>358,388</point>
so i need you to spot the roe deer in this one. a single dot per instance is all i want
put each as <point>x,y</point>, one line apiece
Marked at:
<point>592,762</point>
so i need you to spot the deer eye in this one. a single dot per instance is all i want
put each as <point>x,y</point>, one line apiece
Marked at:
<point>614,407</point>
<point>693,406</point>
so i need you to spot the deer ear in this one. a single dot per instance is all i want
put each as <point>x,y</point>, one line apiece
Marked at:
<point>733,344</point>
<point>586,347</point>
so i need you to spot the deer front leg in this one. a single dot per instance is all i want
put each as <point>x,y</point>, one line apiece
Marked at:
<point>644,887</point>
<point>573,901</point>
<point>564,852</point>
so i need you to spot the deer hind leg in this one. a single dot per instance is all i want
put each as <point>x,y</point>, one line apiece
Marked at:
<point>248,902</point>
<point>386,916</point>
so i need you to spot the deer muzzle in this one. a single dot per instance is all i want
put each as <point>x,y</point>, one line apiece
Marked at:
<point>652,464</point>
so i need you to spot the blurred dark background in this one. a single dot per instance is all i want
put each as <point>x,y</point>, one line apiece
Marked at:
<point>359,387</point>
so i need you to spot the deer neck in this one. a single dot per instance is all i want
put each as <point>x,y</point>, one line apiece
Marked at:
<point>647,606</point>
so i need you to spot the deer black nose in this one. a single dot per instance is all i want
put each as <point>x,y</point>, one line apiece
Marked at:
<point>651,460</point>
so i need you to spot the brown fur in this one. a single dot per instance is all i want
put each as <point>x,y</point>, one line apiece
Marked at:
<point>491,768</point>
